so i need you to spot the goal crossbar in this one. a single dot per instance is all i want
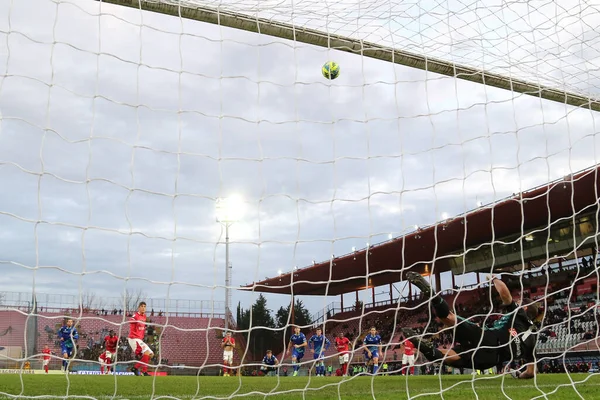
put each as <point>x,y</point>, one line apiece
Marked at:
<point>356,46</point>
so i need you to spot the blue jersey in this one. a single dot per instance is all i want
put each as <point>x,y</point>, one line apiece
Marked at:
<point>270,360</point>
<point>317,343</point>
<point>68,335</point>
<point>298,339</point>
<point>372,342</point>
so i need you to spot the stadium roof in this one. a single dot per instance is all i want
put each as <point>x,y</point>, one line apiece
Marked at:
<point>384,262</point>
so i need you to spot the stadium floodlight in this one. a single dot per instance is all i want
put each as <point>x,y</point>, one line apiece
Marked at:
<point>390,236</point>
<point>444,216</point>
<point>228,211</point>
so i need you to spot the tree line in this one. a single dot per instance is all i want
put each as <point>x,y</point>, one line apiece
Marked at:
<point>265,330</point>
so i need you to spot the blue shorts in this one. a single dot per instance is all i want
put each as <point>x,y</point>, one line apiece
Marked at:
<point>297,354</point>
<point>319,356</point>
<point>374,354</point>
<point>66,349</point>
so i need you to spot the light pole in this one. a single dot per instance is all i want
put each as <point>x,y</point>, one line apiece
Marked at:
<point>228,210</point>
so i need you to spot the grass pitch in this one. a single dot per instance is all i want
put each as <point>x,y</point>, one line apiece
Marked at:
<point>448,387</point>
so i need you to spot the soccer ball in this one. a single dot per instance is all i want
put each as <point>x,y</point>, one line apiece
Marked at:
<point>330,70</point>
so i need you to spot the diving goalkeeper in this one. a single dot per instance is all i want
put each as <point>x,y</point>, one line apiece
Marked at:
<point>512,337</point>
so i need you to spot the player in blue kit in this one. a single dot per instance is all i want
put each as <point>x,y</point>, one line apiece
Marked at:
<point>269,363</point>
<point>372,346</point>
<point>296,347</point>
<point>68,336</point>
<point>317,341</point>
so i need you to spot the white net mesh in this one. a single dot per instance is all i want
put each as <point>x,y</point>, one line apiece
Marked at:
<point>535,41</point>
<point>124,123</point>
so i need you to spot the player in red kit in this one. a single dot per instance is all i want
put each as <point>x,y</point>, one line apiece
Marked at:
<point>408,357</point>
<point>342,345</point>
<point>46,357</point>
<point>105,360</point>
<point>228,344</point>
<point>137,331</point>
<point>111,342</point>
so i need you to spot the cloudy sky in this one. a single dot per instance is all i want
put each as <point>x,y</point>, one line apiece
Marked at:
<point>120,128</point>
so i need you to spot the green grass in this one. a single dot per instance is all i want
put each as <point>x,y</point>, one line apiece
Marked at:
<point>457,387</point>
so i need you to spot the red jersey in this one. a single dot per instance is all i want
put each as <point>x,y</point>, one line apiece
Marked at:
<point>341,344</point>
<point>137,326</point>
<point>409,348</point>
<point>47,353</point>
<point>231,341</point>
<point>111,343</point>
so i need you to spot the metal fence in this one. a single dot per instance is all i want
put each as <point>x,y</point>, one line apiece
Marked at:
<point>47,302</point>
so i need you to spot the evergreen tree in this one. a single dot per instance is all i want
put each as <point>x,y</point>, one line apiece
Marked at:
<point>283,320</point>
<point>243,318</point>
<point>302,316</point>
<point>257,320</point>
<point>238,314</point>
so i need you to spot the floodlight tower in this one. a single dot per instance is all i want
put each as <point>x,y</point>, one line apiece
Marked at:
<point>229,210</point>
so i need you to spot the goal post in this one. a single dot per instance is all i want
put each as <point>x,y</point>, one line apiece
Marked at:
<point>194,10</point>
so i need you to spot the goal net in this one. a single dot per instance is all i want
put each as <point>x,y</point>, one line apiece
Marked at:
<point>196,157</point>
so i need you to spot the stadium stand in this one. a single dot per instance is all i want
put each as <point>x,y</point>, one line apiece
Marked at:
<point>177,341</point>
<point>12,337</point>
<point>12,328</point>
<point>570,322</point>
